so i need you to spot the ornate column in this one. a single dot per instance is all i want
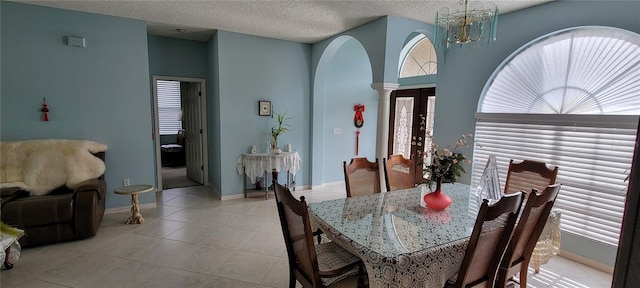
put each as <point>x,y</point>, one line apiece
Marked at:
<point>382,141</point>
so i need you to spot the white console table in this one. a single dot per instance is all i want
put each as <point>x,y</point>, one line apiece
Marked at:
<point>260,164</point>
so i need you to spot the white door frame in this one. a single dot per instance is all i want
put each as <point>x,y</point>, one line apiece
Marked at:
<point>203,114</point>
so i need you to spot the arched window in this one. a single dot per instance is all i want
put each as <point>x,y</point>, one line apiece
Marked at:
<point>570,99</point>
<point>418,58</point>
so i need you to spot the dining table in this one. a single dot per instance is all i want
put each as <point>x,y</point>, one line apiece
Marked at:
<point>401,242</point>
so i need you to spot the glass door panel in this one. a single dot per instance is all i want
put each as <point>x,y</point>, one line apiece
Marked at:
<point>403,128</point>
<point>412,114</point>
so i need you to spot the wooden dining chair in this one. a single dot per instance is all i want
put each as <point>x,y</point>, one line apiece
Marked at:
<point>526,234</point>
<point>312,265</point>
<point>488,241</point>
<point>528,175</point>
<point>399,173</point>
<point>361,177</point>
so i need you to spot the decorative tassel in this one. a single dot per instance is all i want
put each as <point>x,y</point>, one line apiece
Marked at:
<point>358,121</point>
<point>357,140</point>
<point>44,110</point>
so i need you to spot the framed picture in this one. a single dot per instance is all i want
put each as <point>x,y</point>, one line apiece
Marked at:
<point>264,108</point>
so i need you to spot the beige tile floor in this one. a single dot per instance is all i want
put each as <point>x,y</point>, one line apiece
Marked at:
<point>192,240</point>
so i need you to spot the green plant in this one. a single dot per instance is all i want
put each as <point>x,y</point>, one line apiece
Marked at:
<point>446,164</point>
<point>283,126</point>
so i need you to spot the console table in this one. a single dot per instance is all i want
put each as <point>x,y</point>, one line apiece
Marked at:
<point>260,164</point>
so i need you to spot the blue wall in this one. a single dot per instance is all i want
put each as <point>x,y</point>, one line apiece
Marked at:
<point>251,69</point>
<point>177,57</point>
<point>348,83</point>
<point>213,115</point>
<point>92,92</point>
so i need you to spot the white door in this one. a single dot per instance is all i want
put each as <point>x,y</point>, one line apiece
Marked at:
<point>193,130</point>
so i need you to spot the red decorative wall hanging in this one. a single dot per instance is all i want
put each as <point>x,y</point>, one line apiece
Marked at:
<point>44,110</point>
<point>358,121</point>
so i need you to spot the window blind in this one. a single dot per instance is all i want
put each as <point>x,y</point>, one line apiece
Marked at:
<point>593,159</point>
<point>169,107</point>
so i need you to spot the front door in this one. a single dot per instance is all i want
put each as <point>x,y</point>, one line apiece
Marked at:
<point>193,130</point>
<point>410,119</point>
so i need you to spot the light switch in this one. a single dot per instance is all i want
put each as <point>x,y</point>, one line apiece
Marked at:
<point>337,131</point>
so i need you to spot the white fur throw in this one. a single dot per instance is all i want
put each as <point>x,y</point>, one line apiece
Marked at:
<point>39,166</point>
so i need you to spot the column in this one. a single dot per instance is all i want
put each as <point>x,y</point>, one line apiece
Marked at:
<point>382,141</point>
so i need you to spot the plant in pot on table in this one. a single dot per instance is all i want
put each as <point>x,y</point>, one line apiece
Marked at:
<point>283,126</point>
<point>445,166</point>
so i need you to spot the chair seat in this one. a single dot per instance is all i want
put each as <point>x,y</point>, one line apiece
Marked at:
<point>331,257</point>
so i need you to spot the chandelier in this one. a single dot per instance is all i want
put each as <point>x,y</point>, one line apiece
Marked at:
<point>468,23</point>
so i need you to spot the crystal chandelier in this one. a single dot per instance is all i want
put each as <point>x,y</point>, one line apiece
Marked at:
<point>468,23</point>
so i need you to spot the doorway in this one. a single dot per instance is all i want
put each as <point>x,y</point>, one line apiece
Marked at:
<point>410,122</point>
<point>180,134</point>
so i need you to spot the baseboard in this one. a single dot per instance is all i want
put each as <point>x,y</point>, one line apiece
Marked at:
<point>586,261</point>
<point>215,191</point>
<point>337,183</point>
<point>128,208</point>
<point>250,193</point>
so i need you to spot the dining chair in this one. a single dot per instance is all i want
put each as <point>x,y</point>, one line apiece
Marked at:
<point>361,177</point>
<point>488,241</point>
<point>525,236</point>
<point>312,265</point>
<point>529,174</point>
<point>399,173</point>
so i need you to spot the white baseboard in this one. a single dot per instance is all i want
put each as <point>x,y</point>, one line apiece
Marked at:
<point>586,261</point>
<point>337,183</point>
<point>215,191</point>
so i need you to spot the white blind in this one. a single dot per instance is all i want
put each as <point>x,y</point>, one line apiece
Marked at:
<point>169,107</point>
<point>593,158</point>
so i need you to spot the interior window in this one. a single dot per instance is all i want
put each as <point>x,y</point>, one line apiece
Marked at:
<point>568,99</point>
<point>169,107</point>
<point>418,58</point>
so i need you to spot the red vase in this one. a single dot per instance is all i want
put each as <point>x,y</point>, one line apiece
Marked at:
<point>437,200</point>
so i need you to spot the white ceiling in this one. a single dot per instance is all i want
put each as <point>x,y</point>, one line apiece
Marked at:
<point>306,21</point>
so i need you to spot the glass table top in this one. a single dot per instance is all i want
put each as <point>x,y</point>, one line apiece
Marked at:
<point>395,223</point>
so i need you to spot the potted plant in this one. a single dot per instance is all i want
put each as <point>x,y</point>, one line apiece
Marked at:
<point>445,165</point>
<point>283,126</point>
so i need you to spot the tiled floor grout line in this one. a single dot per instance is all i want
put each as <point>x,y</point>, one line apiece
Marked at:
<point>195,208</point>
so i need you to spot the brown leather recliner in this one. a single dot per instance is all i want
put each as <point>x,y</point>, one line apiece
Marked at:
<point>61,215</point>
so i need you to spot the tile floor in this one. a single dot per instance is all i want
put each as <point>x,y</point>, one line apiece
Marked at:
<point>192,240</point>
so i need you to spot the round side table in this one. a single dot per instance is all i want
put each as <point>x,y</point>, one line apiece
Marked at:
<point>134,190</point>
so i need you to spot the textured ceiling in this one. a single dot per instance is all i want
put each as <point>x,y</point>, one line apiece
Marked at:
<point>306,21</point>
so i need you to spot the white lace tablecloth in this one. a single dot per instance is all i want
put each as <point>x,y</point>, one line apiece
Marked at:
<point>401,243</point>
<point>548,244</point>
<point>254,165</point>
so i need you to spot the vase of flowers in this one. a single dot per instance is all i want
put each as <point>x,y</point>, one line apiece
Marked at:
<point>445,166</point>
<point>283,126</point>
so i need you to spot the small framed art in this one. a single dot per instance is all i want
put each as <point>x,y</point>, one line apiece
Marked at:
<point>264,108</point>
